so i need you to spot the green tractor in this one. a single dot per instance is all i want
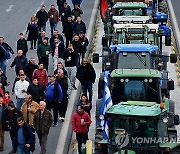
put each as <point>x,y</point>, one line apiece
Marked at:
<point>141,121</point>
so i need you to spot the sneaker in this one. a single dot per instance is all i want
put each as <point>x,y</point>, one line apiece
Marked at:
<point>62,119</point>
<point>55,124</point>
<point>31,48</point>
<point>34,47</point>
<point>74,87</point>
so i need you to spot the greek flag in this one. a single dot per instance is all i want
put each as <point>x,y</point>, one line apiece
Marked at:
<point>106,104</point>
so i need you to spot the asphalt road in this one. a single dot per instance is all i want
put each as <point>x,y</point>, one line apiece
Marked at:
<point>14,18</point>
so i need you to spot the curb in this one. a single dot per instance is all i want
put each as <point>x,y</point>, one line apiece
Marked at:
<point>66,130</point>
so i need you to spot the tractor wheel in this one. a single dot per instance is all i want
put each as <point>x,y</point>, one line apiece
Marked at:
<point>172,111</point>
<point>168,40</point>
<point>98,138</point>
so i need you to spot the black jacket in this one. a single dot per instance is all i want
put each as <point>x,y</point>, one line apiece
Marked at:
<point>10,120</point>
<point>42,17</point>
<point>60,49</point>
<point>86,73</point>
<point>69,29</point>
<point>79,27</point>
<point>29,137</point>
<point>65,72</point>
<point>73,61</point>
<point>29,69</point>
<point>77,46</point>
<point>20,63</point>
<point>60,3</point>
<point>2,52</point>
<point>52,39</point>
<point>22,45</point>
<point>36,91</point>
<point>64,13</point>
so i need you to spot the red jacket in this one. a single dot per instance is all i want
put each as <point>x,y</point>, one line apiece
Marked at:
<point>76,122</point>
<point>41,75</point>
<point>7,100</point>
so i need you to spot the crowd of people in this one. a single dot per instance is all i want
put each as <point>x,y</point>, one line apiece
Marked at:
<point>37,93</point>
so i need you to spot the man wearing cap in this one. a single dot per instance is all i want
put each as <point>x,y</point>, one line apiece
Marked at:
<point>43,52</point>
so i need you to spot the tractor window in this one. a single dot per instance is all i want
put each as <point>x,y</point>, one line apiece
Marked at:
<point>134,90</point>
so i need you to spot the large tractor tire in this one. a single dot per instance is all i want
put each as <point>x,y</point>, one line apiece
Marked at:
<point>171,114</point>
<point>168,40</point>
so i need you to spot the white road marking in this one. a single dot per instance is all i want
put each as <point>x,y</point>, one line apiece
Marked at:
<point>10,8</point>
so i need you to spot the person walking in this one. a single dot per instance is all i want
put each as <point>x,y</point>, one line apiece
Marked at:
<point>43,52</point>
<point>80,124</point>
<point>69,30</point>
<point>2,117</point>
<point>41,37</point>
<point>42,18</point>
<point>64,12</point>
<point>70,58</point>
<point>60,66</point>
<point>20,61</point>
<point>41,75</point>
<point>60,3</point>
<point>76,12</point>
<point>55,35</point>
<point>53,95</point>
<point>32,30</point>
<point>20,90</point>
<point>58,52</point>
<point>86,75</point>
<point>66,88</point>
<point>84,43</point>
<point>42,122</point>
<point>29,109</point>
<point>79,26</point>
<point>30,67</point>
<point>25,138</point>
<point>53,18</point>
<point>10,123</point>
<point>22,44</point>
<point>35,90</point>
<point>4,48</point>
<point>85,103</point>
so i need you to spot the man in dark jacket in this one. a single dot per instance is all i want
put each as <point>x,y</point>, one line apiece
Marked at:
<point>60,3</point>
<point>54,95</point>
<point>86,75</point>
<point>22,44</point>
<point>25,138</point>
<point>35,90</point>
<point>30,67</point>
<point>58,52</point>
<point>60,66</point>
<point>84,43</point>
<point>64,13</point>
<point>66,88</point>
<point>3,58</point>
<point>68,30</point>
<point>55,35</point>
<point>41,37</point>
<point>79,26</point>
<point>43,52</point>
<point>70,58</point>
<point>76,12</point>
<point>42,123</point>
<point>20,61</point>
<point>10,123</point>
<point>42,18</point>
<point>77,48</point>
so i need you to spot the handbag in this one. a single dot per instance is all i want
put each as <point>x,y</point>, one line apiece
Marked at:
<point>8,55</point>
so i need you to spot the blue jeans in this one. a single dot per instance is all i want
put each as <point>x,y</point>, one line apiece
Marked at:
<point>20,102</point>
<point>87,86</point>
<point>53,27</point>
<point>42,28</point>
<point>21,149</point>
<point>3,64</point>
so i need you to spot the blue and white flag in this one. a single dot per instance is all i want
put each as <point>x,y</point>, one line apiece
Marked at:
<point>106,104</point>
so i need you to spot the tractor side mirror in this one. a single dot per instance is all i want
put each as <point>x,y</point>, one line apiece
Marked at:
<point>95,58</point>
<point>176,119</point>
<point>170,85</point>
<point>104,41</point>
<point>173,58</point>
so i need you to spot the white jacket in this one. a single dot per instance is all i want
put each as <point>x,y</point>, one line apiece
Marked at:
<point>19,87</point>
